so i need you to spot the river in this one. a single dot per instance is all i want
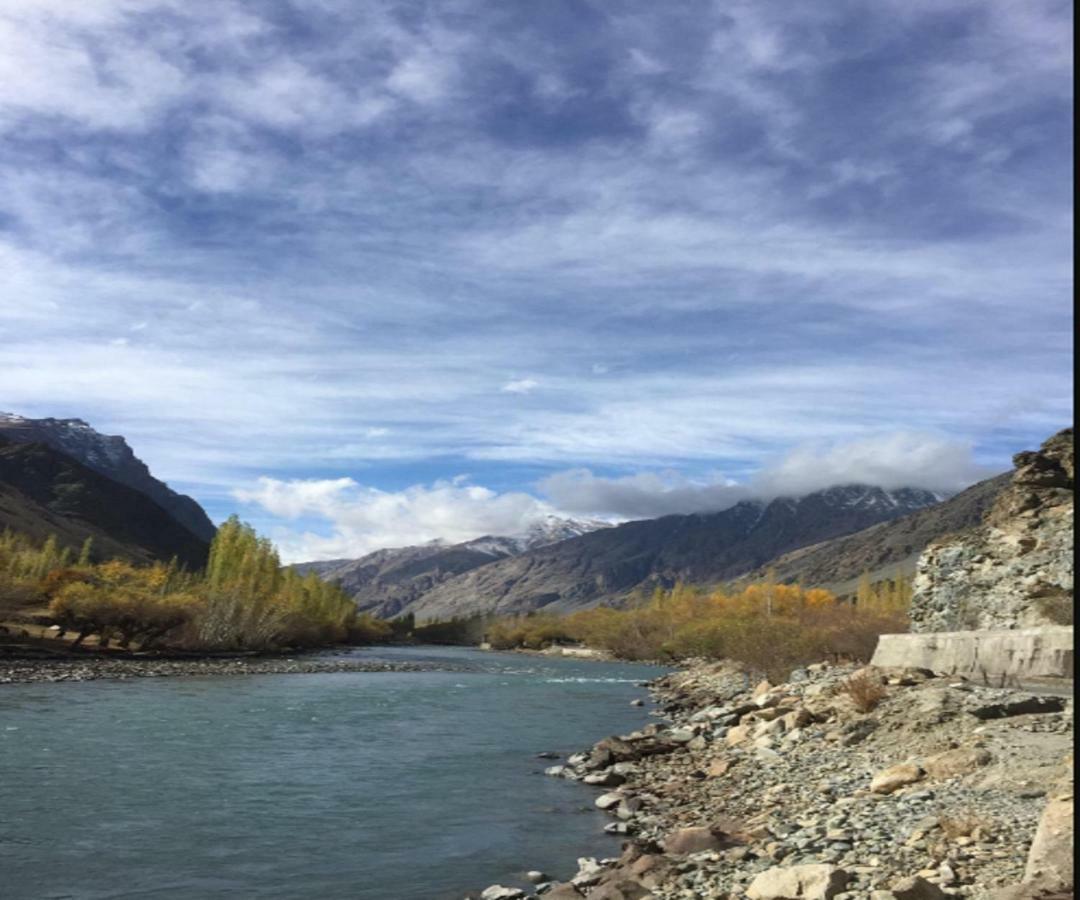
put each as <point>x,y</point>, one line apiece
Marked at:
<point>372,786</point>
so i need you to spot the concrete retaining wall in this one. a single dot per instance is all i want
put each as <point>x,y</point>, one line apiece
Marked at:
<point>1045,652</point>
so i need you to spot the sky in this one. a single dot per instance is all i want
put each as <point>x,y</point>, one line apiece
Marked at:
<point>375,273</point>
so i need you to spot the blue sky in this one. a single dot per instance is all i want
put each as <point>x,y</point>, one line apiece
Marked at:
<point>378,272</point>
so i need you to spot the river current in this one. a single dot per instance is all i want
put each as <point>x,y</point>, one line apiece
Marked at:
<point>373,786</point>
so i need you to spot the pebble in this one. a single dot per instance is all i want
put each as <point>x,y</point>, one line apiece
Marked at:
<point>38,671</point>
<point>808,801</point>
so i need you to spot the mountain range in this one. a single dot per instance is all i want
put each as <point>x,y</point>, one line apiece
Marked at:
<point>61,477</point>
<point>388,582</point>
<point>886,549</point>
<point>828,537</point>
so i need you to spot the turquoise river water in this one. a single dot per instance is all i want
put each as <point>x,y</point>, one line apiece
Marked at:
<point>373,786</point>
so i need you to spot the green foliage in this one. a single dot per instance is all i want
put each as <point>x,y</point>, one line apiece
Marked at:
<point>251,602</point>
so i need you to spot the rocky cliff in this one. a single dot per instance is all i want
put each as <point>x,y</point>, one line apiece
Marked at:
<point>45,492</point>
<point>108,455</point>
<point>1015,570</point>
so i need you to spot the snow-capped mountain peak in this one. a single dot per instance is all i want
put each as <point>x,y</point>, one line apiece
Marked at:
<point>549,530</point>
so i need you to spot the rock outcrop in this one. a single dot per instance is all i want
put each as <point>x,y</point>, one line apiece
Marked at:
<point>1016,569</point>
<point>44,492</point>
<point>108,455</point>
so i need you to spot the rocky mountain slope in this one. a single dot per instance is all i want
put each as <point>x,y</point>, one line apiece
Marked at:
<point>386,582</point>
<point>45,492</point>
<point>1015,569</point>
<point>108,455</point>
<point>888,548</point>
<point>703,548</point>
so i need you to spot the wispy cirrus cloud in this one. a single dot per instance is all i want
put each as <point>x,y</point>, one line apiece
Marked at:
<point>391,241</point>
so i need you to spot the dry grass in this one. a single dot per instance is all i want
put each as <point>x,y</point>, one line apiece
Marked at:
<point>865,690</point>
<point>1056,606</point>
<point>963,824</point>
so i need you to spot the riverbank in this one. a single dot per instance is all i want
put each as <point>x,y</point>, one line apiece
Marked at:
<point>92,668</point>
<point>872,784</point>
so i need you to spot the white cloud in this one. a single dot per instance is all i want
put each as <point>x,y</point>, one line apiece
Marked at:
<point>363,518</point>
<point>292,499</point>
<point>520,386</point>
<point>645,495</point>
<point>901,459</point>
<point>423,78</point>
<point>48,68</point>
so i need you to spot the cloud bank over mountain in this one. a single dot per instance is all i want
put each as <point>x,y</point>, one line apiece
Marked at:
<point>361,519</point>
<point>353,519</point>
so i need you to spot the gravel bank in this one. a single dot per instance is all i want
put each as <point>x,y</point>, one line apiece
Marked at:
<point>789,791</point>
<point>28,671</point>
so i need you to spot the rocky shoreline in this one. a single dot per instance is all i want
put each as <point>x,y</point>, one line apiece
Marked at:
<point>842,784</point>
<point>39,670</point>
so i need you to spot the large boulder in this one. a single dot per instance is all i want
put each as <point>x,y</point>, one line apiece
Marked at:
<point>695,840</point>
<point>620,889</point>
<point>915,887</point>
<point>650,869</point>
<point>895,777</point>
<point>499,892</point>
<point>608,801</point>
<point>1050,860</point>
<point>960,761</point>
<point>564,891</point>
<point>809,882</point>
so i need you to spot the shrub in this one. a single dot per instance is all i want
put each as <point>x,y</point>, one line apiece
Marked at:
<point>366,629</point>
<point>768,626</point>
<point>1056,606</point>
<point>865,691</point>
<point>244,599</point>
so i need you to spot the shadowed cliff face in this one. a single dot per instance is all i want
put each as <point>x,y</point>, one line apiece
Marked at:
<point>1016,569</point>
<point>108,455</point>
<point>44,492</point>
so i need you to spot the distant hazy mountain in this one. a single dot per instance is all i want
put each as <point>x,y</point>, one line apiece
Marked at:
<point>704,548</point>
<point>108,455</point>
<point>46,492</point>
<point>385,582</point>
